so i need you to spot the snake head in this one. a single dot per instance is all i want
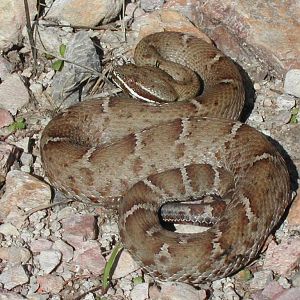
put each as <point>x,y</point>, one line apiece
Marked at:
<point>146,83</point>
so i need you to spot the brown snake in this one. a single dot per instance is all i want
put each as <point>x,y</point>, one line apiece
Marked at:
<point>126,153</point>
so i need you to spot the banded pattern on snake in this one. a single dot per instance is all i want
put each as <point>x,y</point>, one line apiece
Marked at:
<point>137,156</point>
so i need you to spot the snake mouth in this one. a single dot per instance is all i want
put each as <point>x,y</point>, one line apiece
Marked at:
<point>130,84</point>
<point>193,216</point>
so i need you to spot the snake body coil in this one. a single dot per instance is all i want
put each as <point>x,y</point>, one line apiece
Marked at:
<point>135,156</point>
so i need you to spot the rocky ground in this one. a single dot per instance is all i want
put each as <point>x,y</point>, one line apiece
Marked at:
<point>50,249</point>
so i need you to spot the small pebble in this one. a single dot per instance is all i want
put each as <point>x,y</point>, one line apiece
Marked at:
<point>257,86</point>
<point>292,82</point>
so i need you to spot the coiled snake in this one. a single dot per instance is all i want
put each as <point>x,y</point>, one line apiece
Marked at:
<point>136,156</point>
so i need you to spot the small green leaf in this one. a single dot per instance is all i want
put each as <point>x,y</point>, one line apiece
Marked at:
<point>58,65</point>
<point>294,116</point>
<point>62,50</point>
<point>110,266</point>
<point>138,280</point>
<point>17,125</point>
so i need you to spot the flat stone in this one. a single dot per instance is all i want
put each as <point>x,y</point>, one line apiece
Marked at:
<point>261,279</point>
<point>12,21</point>
<point>150,5</point>
<point>82,13</point>
<point>11,296</point>
<point>89,257</point>
<point>165,20</point>
<point>49,260</point>
<point>271,291</point>
<point>5,118</point>
<point>9,229</point>
<point>284,257</point>
<point>79,228</point>
<point>284,102</point>
<point>15,255</point>
<point>81,51</point>
<point>23,191</point>
<point>289,294</point>
<point>40,245</point>
<point>177,291</point>
<point>65,249</point>
<point>50,283</point>
<point>13,277</point>
<point>5,68</point>
<point>247,30</point>
<point>140,292</point>
<point>292,82</point>
<point>125,266</point>
<point>13,94</point>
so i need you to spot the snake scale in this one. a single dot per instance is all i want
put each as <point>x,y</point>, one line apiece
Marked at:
<point>136,156</point>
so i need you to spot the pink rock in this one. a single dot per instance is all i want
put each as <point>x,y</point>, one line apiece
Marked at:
<point>89,257</point>
<point>290,294</point>
<point>165,20</point>
<point>232,25</point>
<point>40,245</point>
<point>50,284</point>
<point>23,191</point>
<point>79,228</point>
<point>65,249</point>
<point>272,289</point>
<point>5,118</point>
<point>283,258</point>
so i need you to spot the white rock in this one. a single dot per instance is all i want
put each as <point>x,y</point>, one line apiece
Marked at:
<point>49,39</point>
<point>15,255</point>
<point>140,292</point>
<point>5,68</point>
<point>281,117</point>
<point>83,13</point>
<point>37,89</point>
<point>13,93</point>
<point>12,20</point>
<point>27,159</point>
<point>9,229</point>
<point>13,277</point>
<point>23,144</point>
<point>292,82</point>
<point>65,249</point>
<point>284,282</point>
<point>49,260</point>
<point>125,266</point>
<point>11,296</point>
<point>284,102</point>
<point>180,291</point>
